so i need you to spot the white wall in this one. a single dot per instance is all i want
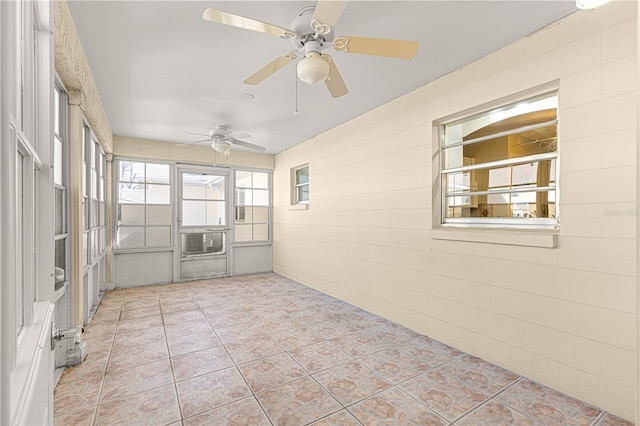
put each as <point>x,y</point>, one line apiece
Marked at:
<point>564,316</point>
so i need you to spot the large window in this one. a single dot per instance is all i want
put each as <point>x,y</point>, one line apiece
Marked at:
<point>93,194</point>
<point>499,166</point>
<point>60,182</point>
<point>252,206</point>
<point>300,184</point>
<point>144,212</point>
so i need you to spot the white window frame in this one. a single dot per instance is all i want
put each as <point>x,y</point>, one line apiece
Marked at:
<point>482,230</point>
<point>295,199</point>
<point>116,203</point>
<point>527,223</point>
<point>238,204</point>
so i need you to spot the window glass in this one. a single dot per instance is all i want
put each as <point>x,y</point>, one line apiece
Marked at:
<point>60,213</point>
<point>131,193</point>
<point>244,197</point>
<point>252,206</point>
<point>260,180</point>
<point>143,204</point>
<point>158,236</point>
<point>157,173</point>
<point>57,161</point>
<point>302,175</point>
<point>260,214</point>
<point>56,112</point>
<point>131,215</point>
<point>131,171</point>
<point>302,193</point>
<point>203,213</point>
<point>261,232</point>
<point>499,166</point>
<point>130,236</point>
<point>60,255</point>
<point>158,215</point>
<point>243,179</point>
<point>300,185</point>
<point>158,194</point>
<point>243,232</point>
<point>260,197</point>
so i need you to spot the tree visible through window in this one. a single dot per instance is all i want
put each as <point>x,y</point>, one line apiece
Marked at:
<point>144,204</point>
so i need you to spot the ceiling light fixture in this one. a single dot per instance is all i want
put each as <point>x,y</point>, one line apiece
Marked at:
<point>313,68</point>
<point>221,146</point>
<point>590,4</point>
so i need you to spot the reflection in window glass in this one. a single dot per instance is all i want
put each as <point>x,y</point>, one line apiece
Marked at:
<point>499,166</point>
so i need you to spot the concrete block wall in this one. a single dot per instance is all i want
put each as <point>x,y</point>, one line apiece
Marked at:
<point>564,316</point>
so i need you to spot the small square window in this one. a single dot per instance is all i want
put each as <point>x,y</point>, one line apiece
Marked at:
<point>300,184</point>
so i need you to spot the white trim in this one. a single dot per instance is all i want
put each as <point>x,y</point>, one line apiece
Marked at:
<point>537,238</point>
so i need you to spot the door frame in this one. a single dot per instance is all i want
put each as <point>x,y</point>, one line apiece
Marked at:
<point>27,360</point>
<point>227,228</point>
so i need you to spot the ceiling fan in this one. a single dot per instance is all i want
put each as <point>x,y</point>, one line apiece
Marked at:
<point>222,138</point>
<point>311,33</point>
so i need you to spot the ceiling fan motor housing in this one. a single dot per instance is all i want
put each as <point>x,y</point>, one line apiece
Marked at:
<point>305,32</point>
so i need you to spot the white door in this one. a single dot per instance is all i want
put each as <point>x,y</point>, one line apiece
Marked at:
<point>203,222</point>
<point>26,219</point>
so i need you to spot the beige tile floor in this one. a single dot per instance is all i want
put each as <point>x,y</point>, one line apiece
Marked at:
<point>262,350</point>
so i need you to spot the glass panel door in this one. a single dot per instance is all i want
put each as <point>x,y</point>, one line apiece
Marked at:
<point>203,222</point>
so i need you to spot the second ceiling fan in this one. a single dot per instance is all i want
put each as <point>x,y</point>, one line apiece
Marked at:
<point>311,33</point>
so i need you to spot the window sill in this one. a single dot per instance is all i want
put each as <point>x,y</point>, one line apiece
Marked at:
<point>544,238</point>
<point>304,206</point>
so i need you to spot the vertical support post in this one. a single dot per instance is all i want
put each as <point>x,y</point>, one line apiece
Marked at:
<point>76,179</point>
<point>109,206</point>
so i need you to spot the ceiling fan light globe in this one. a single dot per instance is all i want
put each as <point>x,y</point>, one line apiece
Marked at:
<point>221,146</point>
<point>313,68</point>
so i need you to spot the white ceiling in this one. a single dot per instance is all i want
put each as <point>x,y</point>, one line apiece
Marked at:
<point>161,69</point>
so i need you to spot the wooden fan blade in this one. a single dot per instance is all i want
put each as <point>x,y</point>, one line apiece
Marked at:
<point>329,11</point>
<point>334,82</point>
<point>273,66</point>
<point>226,18</point>
<point>377,46</point>
<point>248,145</point>
<point>194,142</point>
